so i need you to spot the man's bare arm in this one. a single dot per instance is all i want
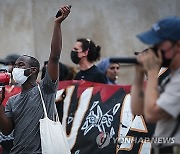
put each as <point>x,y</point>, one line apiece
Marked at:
<point>137,92</point>
<point>152,63</point>
<point>152,111</point>
<point>56,45</point>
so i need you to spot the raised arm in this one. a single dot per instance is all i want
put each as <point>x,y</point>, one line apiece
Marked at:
<point>56,44</point>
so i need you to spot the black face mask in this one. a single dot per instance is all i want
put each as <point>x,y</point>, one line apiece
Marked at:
<point>74,57</point>
<point>165,62</point>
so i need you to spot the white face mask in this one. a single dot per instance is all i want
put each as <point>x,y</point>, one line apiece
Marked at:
<point>18,75</point>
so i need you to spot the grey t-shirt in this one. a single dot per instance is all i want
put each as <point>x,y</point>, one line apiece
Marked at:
<point>26,110</point>
<point>169,101</point>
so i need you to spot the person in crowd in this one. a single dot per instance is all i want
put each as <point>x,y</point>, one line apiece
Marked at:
<point>85,53</point>
<point>13,88</point>
<point>160,104</point>
<point>23,111</point>
<point>72,71</point>
<point>10,90</point>
<point>111,70</point>
<point>9,62</point>
<point>63,71</point>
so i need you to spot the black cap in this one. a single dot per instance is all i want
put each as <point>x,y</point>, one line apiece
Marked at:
<point>10,59</point>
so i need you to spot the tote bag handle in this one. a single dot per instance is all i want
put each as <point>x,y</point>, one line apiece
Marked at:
<point>44,107</point>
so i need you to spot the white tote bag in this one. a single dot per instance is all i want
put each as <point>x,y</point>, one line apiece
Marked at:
<point>53,138</point>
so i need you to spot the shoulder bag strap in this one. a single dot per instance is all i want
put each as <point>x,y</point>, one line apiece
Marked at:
<point>56,113</point>
<point>44,107</point>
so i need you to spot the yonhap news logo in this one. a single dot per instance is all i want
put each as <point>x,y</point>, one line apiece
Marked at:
<point>153,140</point>
<point>104,139</point>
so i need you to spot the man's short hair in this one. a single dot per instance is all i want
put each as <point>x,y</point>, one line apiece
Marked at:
<point>33,62</point>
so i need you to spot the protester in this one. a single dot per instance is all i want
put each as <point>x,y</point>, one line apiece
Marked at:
<point>23,111</point>
<point>10,90</point>
<point>72,71</point>
<point>160,104</point>
<point>13,88</point>
<point>111,70</point>
<point>85,53</point>
<point>9,62</point>
<point>63,71</point>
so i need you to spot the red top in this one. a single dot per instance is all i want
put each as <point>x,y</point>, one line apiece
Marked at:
<point>10,91</point>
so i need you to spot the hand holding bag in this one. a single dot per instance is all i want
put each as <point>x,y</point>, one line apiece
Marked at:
<point>53,138</point>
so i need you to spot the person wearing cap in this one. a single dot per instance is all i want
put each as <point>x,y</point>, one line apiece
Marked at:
<point>111,70</point>
<point>85,53</point>
<point>160,104</point>
<point>9,62</point>
<point>10,90</point>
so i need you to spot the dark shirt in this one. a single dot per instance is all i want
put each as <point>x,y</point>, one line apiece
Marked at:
<point>92,74</point>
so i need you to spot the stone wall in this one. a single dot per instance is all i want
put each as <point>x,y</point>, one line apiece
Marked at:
<point>26,26</point>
